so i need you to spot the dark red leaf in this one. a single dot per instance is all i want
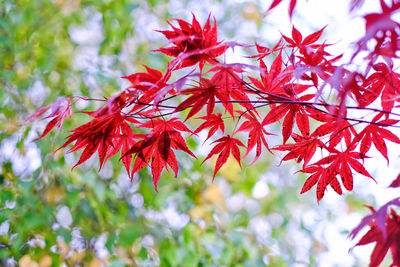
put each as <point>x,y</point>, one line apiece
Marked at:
<point>384,231</point>
<point>192,44</point>
<point>396,182</point>
<point>60,109</point>
<point>226,145</point>
<point>256,134</point>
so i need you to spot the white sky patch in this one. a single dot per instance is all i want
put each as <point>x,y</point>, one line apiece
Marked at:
<point>99,246</point>
<point>38,241</point>
<point>125,184</point>
<point>137,200</point>
<point>21,164</point>
<point>37,93</point>
<point>176,220</point>
<point>260,190</point>
<point>235,202</point>
<point>338,245</point>
<point>4,227</point>
<point>146,26</point>
<point>77,242</point>
<point>261,228</point>
<point>64,217</point>
<point>106,171</point>
<point>9,204</point>
<point>148,241</point>
<point>91,33</point>
<point>275,219</point>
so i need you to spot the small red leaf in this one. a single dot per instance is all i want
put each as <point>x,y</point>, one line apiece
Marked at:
<point>164,144</point>
<point>275,114</point>
<point>396,182</point>
<point>336,186</point>
<point>225,146</point>
<point>297,37</point>
<point>312,38</point>
<point>291,7</point>
<point>311,181</point>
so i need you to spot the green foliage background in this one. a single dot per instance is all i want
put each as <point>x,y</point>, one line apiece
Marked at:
<point>191,221</point>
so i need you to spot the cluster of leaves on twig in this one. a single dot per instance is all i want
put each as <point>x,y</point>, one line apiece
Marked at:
<point>338,109</point>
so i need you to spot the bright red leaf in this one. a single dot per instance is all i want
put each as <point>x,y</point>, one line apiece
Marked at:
<point>334,125</point>
<point>275,3</point>
<point>97,135</point>
<point>396,182</point>
<point>265,51</point>
<point>339,163</point>
<point>204,94</point>
<point>383,82</point>
<point>226,145</point>
<point>157,145</point>
<point>384,231</point>
<point>231,86</point>
<point>147,86</point>
<point>256,134</point>
<point>193,44</point>
<point>214,121</point>
<point>304,148</point>
<point>293,113</point>
<point>60,109</point>
<point>376,134</point>
<point>298,41</point>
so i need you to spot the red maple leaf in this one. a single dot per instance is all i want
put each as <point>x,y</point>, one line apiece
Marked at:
<point>116,103</point>
<point>376,134</point>
<point>60,109</point>
<point>277,2</point>
<point>100,135</point>
<point>382,245</point>
<point>324,177</point>
<point>193,44</point>
<point>384,81</point>
<point>384,231</point>
<point>226,145</point>
<point>298,41</point>
<point>147,86</point>
<point>214,121</point>
<point>375,22</point>
<point>202,95</point>
<point>278,89</point>
<point>123,142</point>
<point>272,79</point>
<point>396,182</point>
<point>383,29</point>
<point>231,86</point>
<point>265,51</point>
<point>304,148</point>
<point>339,163</point>
<point>316,63</point>
<point>336,126</point>
<point>293,113</point>
<point>157,145</point>
<point>256,134</point>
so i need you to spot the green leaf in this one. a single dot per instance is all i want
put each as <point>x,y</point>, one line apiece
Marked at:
<point>129,234</point>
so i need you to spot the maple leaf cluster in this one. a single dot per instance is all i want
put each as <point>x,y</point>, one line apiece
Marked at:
<point>339,110</point>
<point>384,232</point>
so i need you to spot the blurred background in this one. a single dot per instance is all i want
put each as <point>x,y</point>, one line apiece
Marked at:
<point>53,216</point>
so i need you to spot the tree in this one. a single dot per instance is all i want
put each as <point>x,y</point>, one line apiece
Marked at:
<point>336,108</point>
